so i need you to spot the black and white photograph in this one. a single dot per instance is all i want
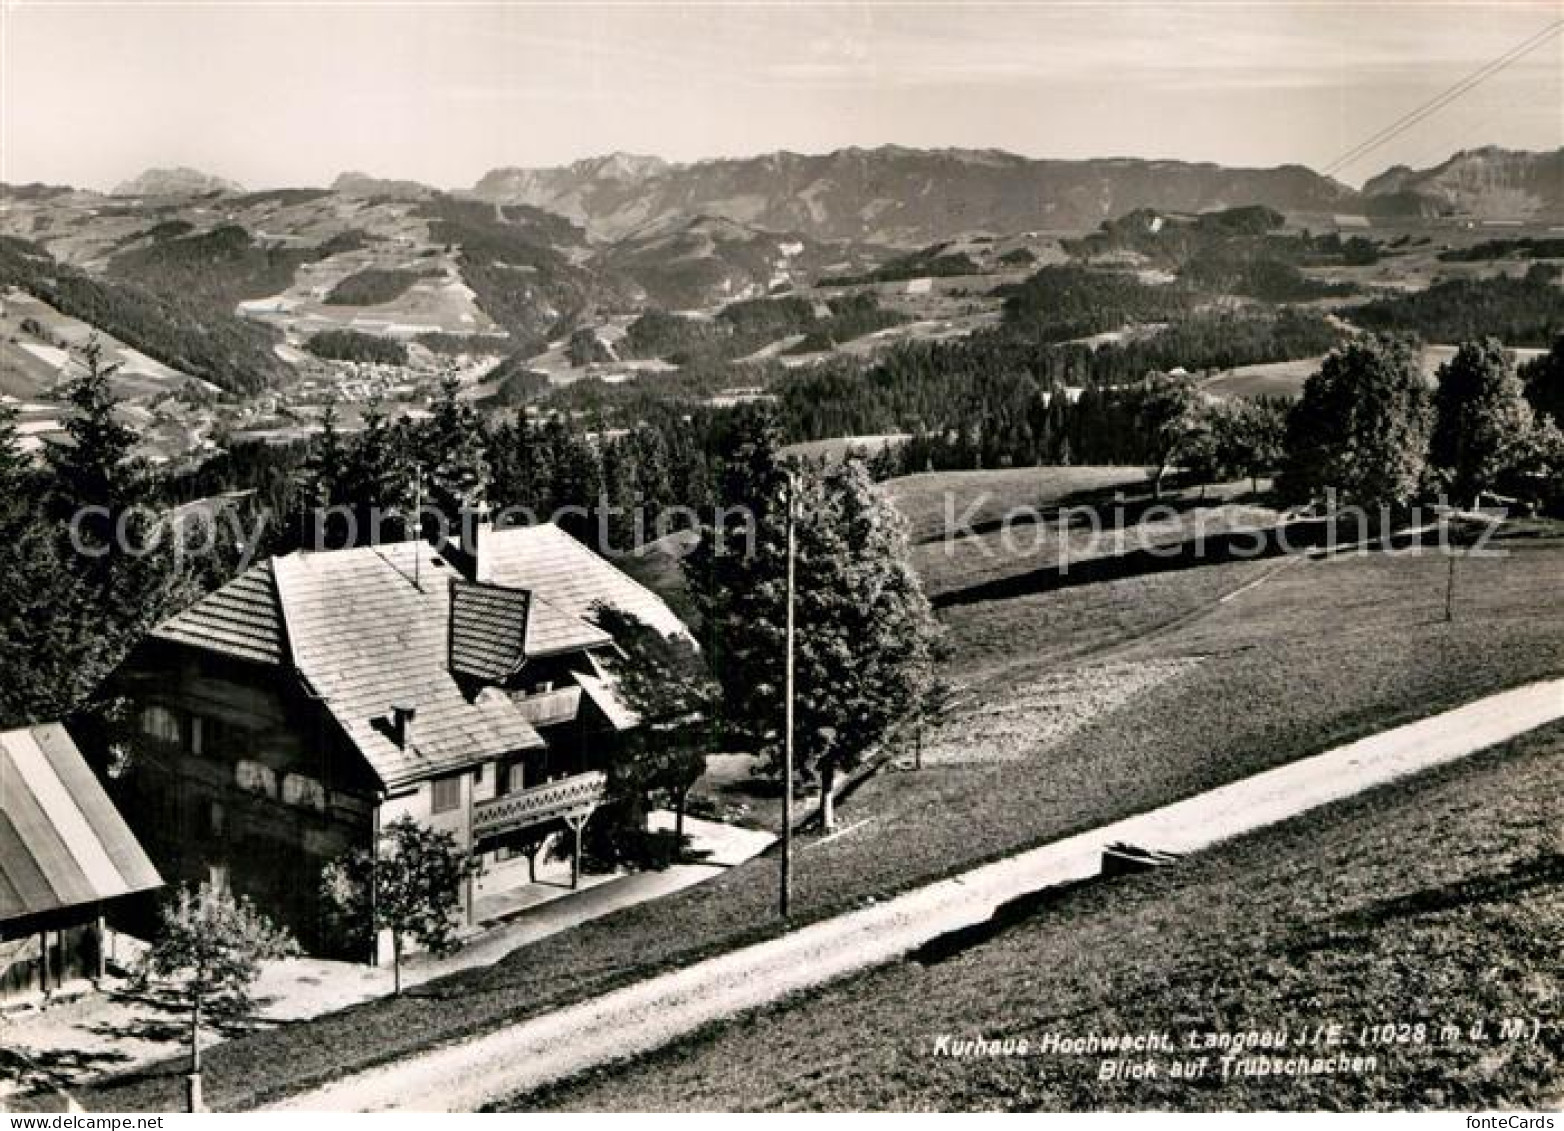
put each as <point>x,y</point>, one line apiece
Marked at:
<point>744,556</point>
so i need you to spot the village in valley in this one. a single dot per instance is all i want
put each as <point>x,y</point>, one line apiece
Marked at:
<point>899,628</point>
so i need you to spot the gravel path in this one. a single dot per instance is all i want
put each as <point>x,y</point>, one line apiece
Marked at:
<point>648,1014</point>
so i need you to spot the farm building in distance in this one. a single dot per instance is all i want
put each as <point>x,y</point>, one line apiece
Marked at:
<point>291,714</point>
<point>66,855</point>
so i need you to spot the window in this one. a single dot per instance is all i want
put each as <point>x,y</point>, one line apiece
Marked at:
<point>447,794</point>
<point>297,789</point>
<point>161,724</point>
<point>507,778</point>
<point>256,778</point>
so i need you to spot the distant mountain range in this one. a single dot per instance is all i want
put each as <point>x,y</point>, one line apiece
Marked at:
<point>899,196</point>
<point>910,197</point>
<point>1488,183</point>
<point>362,184</point>
<point>894,196</point>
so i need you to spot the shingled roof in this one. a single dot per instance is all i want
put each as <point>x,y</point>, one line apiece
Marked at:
<point>380,626</point>
<point>549,561</point>
<point>242,619</point>
<point>488,630</point>
<point>366,637</point>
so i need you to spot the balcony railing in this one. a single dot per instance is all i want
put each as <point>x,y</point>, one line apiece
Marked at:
<point>549,707</point>
<point>569,797</point>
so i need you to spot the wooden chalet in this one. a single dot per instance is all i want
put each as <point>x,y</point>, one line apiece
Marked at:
<point>290,715</point>
<point>66,856</point>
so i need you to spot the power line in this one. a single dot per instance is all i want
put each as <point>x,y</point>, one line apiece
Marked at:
<point>1443,99</point>
<point>1439,101</point>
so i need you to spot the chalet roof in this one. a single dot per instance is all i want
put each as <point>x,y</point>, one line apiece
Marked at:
<point>62,842</point>
<point>242,619</point>
<point>366,638</point>
<point>549,561</point>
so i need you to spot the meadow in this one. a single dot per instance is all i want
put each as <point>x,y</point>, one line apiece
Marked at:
<point>1435,902</point>
<point>1080,706</point>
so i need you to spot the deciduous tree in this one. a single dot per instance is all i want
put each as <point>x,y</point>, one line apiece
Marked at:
<point>208,951</point>
<point>1361,427</point>
<point>1483,427</point>
<point>411,887</point>
<point>665,681</point>
<point>864,628</point>
<point>1166,409</point>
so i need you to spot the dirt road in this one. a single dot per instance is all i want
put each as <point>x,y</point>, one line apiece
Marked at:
<point>646,1015</point>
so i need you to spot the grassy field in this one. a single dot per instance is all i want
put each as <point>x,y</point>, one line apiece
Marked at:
<point>1263,379</point>
<point>1322,652</point>
<point>31,369</point>
<point>1286,378</point>
<point>1055,547</point>
<point>979,497</point>
<point>1436,902</point>
<point>839,448</point>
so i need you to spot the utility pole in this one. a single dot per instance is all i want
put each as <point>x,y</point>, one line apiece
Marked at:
<point>787,711</point>
<point>1450,589</point>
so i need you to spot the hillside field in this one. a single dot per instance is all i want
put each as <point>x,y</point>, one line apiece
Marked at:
<point>1435,902</point>
<point>1080,706</point>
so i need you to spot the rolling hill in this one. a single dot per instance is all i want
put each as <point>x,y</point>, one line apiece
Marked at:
<point>684,262</point>
<point>178,181</point>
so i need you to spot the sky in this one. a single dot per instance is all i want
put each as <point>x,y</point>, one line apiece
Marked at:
<point>278,93</point>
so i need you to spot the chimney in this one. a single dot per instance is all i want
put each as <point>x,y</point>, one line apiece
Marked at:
<point>465,550</point>
<point>402,715</point>
<point>482,528</point>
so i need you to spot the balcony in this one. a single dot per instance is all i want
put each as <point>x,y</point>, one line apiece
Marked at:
<point>548,708</point>
<point>570,797</point>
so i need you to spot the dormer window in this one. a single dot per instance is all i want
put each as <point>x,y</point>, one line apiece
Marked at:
<point>488,635</point>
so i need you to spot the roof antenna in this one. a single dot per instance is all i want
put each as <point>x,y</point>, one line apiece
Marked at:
<point>418,522</point>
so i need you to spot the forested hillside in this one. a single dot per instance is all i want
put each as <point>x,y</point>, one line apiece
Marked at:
<point>185,333</point>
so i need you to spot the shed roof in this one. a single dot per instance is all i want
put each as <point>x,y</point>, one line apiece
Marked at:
<point>62,842</point>
<point>488,630</point>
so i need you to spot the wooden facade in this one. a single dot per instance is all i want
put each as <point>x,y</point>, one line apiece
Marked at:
<point>238,778</point>
<point>291,715</point>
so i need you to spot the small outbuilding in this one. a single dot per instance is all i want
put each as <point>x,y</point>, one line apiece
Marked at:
<point>65,855</point>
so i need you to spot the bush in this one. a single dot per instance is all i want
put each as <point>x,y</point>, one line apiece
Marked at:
<point>615,839</point>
